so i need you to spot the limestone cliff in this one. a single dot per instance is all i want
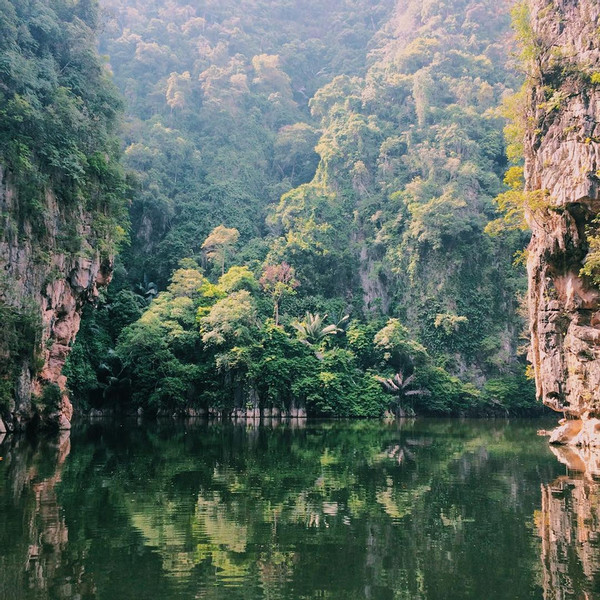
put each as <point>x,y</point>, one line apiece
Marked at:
<point>62,207</point>
<point>562,161</point>
<point>51,285</point>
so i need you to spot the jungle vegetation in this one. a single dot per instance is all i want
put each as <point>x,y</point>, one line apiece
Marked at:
<point>310,187</point>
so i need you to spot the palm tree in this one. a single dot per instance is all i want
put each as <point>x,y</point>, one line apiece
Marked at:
<point>403,387</point>
<point>147,291</point>
<point>313,330</point>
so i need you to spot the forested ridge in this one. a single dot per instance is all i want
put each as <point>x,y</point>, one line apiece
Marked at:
<point>310,189</point>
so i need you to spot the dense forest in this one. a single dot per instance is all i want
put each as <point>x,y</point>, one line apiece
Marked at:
<point>310,189</point>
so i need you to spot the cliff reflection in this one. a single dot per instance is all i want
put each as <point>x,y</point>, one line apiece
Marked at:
<point>569,526</point>
<point>33,564</point>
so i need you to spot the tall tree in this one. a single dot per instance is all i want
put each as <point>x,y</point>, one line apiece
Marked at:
<point>219,244</point>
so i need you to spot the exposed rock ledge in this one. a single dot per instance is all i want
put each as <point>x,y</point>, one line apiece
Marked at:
<point>584,432</point>
<point>53,281</point>
<point>562,158</point>
<point>585,461</point>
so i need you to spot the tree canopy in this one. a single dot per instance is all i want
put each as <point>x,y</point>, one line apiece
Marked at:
<point>306,159</point>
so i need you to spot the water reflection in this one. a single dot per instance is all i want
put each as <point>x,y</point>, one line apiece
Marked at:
<point>32,563</point>
<point>419,510</point>
<point>569,526</point>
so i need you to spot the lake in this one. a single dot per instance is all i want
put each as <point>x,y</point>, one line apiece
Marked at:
<point>424,509</point>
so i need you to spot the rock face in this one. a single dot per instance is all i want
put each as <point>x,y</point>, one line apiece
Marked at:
<point>53,284</point>
<point>562,162</point>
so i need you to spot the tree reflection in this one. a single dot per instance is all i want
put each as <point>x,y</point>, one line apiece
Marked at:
<point>419,510</point>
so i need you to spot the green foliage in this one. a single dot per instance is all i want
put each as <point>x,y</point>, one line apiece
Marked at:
<point>58,116</point>
<point>449,323</point>
<point>219,243</point>
<point>447,393</point>
<point>205,345</point>
<point>229,321</point>
<point>513,393</point>
<point>19,343</point>
<point>219,126</point>
<point>159,350</point>
<point>516,202</point>
<point>59,158</point>
<point>591,266</point>
<point>400,351</point>
<point>408,173</point>
<point>278,281</point>
<point>339,389</point>
<point>350,185</point>
<point>359,339</point>
<point>312,330</point>
<point>238,278</point>
<point>405,390</point>
<point>521,22</point>
<point>278,362</point>
<point>49,402</point>
<point>294,152</point>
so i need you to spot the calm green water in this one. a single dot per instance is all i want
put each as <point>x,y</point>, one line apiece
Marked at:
<point>426,509</point>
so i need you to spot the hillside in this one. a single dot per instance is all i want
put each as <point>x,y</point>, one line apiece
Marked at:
<point>356,151</point>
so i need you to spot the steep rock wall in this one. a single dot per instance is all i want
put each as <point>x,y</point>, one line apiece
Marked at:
<point>51,283</point>
<point>562,160</point>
